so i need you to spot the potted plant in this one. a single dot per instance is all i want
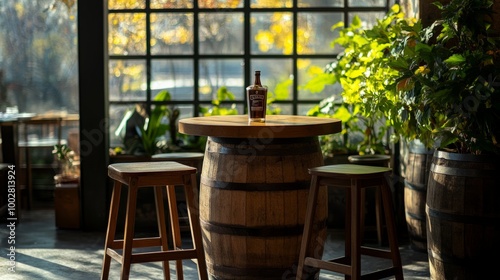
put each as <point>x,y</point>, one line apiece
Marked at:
<point>69,164</point>
<point>448,97</point>
<point>362,72</point>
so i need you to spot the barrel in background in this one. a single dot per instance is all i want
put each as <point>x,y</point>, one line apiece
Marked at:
<point>463,216</point>
<point>415,193</point>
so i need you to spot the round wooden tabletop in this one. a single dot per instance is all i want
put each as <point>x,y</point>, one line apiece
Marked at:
<point>276,126</point>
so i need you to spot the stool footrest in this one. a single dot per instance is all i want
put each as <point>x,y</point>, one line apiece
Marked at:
<point>137,243</point>
<point>329,265</point>
<point>337,265</point>
<point>375,252</point>
<point>154,256</point>
<point>381,274</point>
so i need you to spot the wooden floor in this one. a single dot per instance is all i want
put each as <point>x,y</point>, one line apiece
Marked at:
<point>44,252</point>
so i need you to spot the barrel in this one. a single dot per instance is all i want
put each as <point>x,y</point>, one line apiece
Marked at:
<point>253,199</point>
<point>415,191</point>
<point>463,216</point>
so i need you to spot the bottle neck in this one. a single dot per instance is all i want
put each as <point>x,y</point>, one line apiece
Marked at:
<point>257,78</point>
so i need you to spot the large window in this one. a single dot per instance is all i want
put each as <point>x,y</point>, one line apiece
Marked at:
<point>38,56</point>
<point>194,48</point>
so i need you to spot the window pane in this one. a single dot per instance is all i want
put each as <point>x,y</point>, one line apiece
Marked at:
<point>307,69</point>
<point>271,33</point>
<point>221,33</point>
<point>220,4</point>
<point>118,116</point>
<point>320,3</point>
<point>127,80</point>
<point>302,109</point>
<point>283,109</point>
<point>187,111</point>
<point>367,3</point>
<point>368,18</point>
<point>224,108</point>
<point>314,33</point>
<point>216,73</point>
<point>120,4</point>
<point>171,4</point>
<point>271,4</point>
<point>127,34</point>
<point>174,75</point>
<point>276,74</point>
<point>38,57</point>
<point>171,33</point>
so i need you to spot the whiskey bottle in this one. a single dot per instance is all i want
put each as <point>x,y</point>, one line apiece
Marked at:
<point>257,100</point>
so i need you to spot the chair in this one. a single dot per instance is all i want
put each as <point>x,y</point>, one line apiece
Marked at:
<point>157,175</point>
<point>48,131</point>
<point>355,178</point>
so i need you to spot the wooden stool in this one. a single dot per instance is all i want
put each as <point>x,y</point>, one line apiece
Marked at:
<point>355,177</point>
<point>371,160</point>
<point>193,159</point>
<point>157,175</point>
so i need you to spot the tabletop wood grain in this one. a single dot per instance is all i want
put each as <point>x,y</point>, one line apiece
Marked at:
<point>276,126</point>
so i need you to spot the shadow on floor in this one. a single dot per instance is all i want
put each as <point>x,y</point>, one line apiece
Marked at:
<point>43,251</point>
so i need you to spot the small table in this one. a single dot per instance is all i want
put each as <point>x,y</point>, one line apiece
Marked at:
<point>253,192</point>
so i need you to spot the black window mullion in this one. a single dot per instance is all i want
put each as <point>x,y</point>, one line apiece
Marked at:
<point>148,58</point>
<point>196,59</point>
<point>247,56</point>
<point>295,93</point>
<point>247,48</point>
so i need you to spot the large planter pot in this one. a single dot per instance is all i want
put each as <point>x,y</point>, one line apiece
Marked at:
<point>418,165</point>
<point>463,216</point>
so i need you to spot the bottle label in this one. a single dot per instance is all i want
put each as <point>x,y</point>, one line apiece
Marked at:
<point>257,101</point>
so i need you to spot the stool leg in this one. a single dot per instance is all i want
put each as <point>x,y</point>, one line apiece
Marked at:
<point>176,232</point>
<point>162,228</point>
<point>348,227</point>
<point>391,230</point>
<point>128,237</point>
<point>308,224</point>
<point>355,252</point>
<point>362,214</point>
<point>378,215</point>
<point>110,233</point>
<point>191,190</point>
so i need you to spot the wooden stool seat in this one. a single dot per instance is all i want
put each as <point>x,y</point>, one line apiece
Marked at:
<point>355,178</point>
<point>156,175</point>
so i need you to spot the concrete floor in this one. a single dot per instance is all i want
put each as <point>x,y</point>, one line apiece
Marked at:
<point>43,251</point>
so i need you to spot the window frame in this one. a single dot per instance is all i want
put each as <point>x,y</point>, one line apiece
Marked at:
<point>247,56</point>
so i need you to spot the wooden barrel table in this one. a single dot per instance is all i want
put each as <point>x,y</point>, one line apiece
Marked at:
<point>253,192</point>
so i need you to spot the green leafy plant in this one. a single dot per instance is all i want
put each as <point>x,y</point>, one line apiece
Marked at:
<point>338,143</point>
<point>66,156</point>
<point>223,94</point>
<point>449,80</point>
<point>363,73</point>
<point>154,126</point>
